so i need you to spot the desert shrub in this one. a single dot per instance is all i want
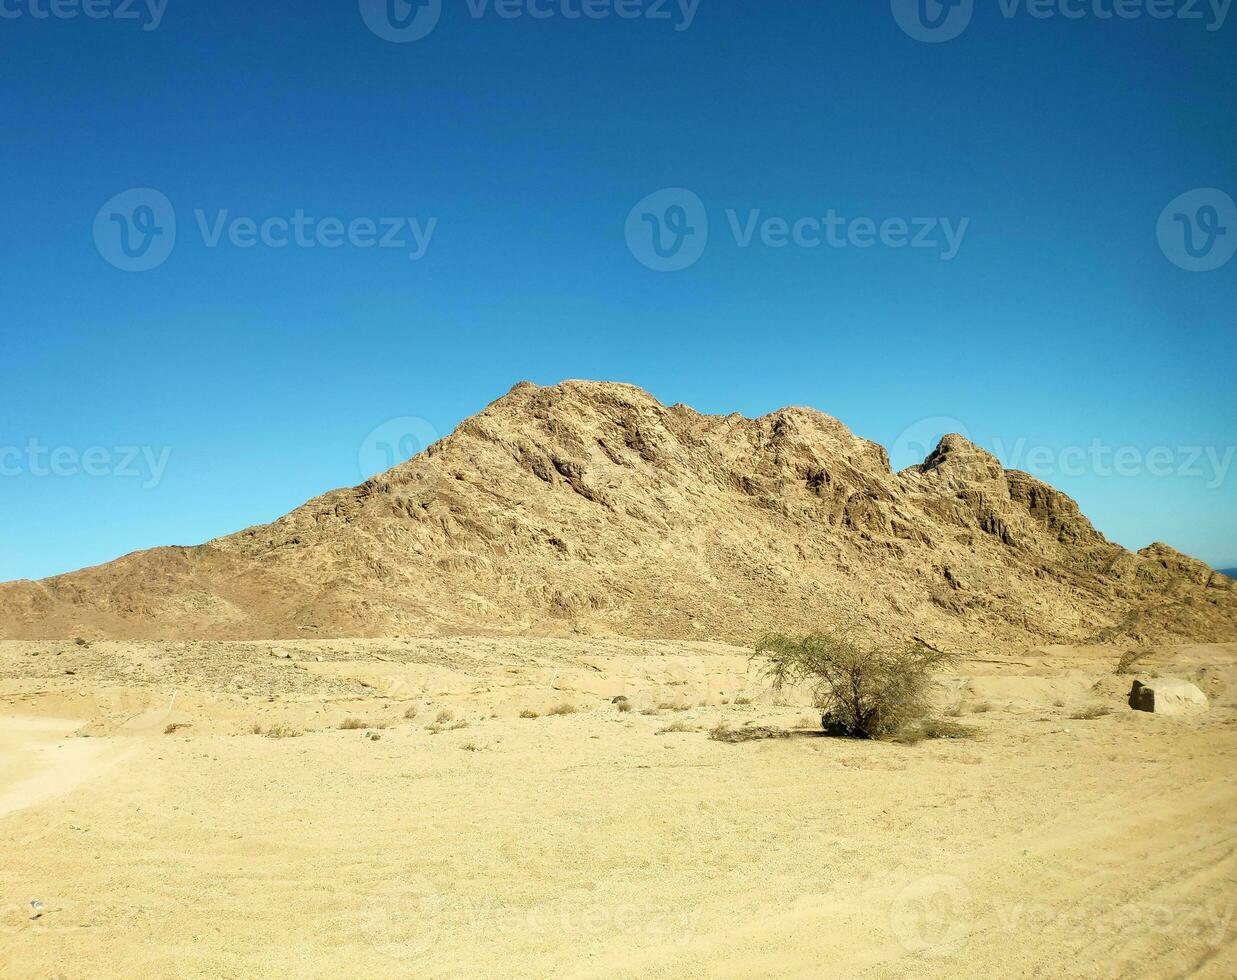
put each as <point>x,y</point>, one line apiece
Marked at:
<point>865,689</point>
<point>750,733</point>
<point>1128,659</point>
<point>742,700</point>
<point>563,709</point>
<point>674,706</point>
<point>1091,712</point>
<point>280,730</point>
<point>675,727</point>
<point>444,716</point>
<point>435,727</point>
<point>410,712</point>
<point>529,713</point>
<point>624,706</point>
<point>351,724</point>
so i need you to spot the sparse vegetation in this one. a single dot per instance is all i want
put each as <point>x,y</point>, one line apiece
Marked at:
<point>865,689</point>
<point>1091,712</point>
<point>410,712</point>
<point>352,724</point>
<point>674,706</point>
<point>751,733</point>
<point>529,713</point>
<point>563,709</point>
<point>176,726</point>
<point>675,727</point>
<point>742,700</point>
<point>469,747</point>
<point>444,716</point>
<point>435,727</point>
<point>277,730</point>
<point>623,706</point>
<point>981,707</point>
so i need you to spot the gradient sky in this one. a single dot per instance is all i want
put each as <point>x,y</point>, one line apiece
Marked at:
<point>1060,325</point>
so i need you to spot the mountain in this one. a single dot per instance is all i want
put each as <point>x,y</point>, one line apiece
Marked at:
<point>592,508</point>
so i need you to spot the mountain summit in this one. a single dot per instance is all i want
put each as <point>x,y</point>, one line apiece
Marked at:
<point>592,507</point>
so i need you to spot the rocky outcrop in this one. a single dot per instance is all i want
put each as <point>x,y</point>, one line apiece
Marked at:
<point>591,507</point>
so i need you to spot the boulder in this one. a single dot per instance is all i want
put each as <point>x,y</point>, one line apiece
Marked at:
<point>1167,696</point>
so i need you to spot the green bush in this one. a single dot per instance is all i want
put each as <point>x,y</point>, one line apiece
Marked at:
<point>864,689</point>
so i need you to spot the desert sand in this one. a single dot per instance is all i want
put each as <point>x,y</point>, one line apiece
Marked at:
<point>164,837</point>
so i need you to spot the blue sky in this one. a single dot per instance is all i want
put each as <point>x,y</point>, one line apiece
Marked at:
<point>1063,326</point>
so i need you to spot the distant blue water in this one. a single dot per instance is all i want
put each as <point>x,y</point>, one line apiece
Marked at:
<point>1230,572</point>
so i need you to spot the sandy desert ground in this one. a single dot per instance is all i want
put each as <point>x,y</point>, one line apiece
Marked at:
<point>164,837</point>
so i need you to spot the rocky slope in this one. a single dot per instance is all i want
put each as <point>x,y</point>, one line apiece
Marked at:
<point>591,507</point>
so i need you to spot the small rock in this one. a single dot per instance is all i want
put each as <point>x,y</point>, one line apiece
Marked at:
<point>1167,696</point>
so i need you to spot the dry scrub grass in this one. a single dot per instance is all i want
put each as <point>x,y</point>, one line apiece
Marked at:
<point>437,727</point>
<point>529,713</point>
<point>563,709</point>
<point>750,733</point>
<point>278,730</point>
<point>676,727</point>
<point>352,724</point>
<point>1091,712</point>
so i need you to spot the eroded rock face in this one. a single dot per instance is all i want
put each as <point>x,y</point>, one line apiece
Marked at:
<point>1167,696</point>
<point>592,507</point>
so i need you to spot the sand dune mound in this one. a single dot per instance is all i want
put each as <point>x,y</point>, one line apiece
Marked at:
<point>591,507</point>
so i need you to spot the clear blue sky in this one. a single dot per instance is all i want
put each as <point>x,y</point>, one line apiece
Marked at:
<point>1060,322</point>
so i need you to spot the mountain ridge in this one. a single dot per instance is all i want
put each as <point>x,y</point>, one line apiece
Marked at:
<point>590,507</point>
